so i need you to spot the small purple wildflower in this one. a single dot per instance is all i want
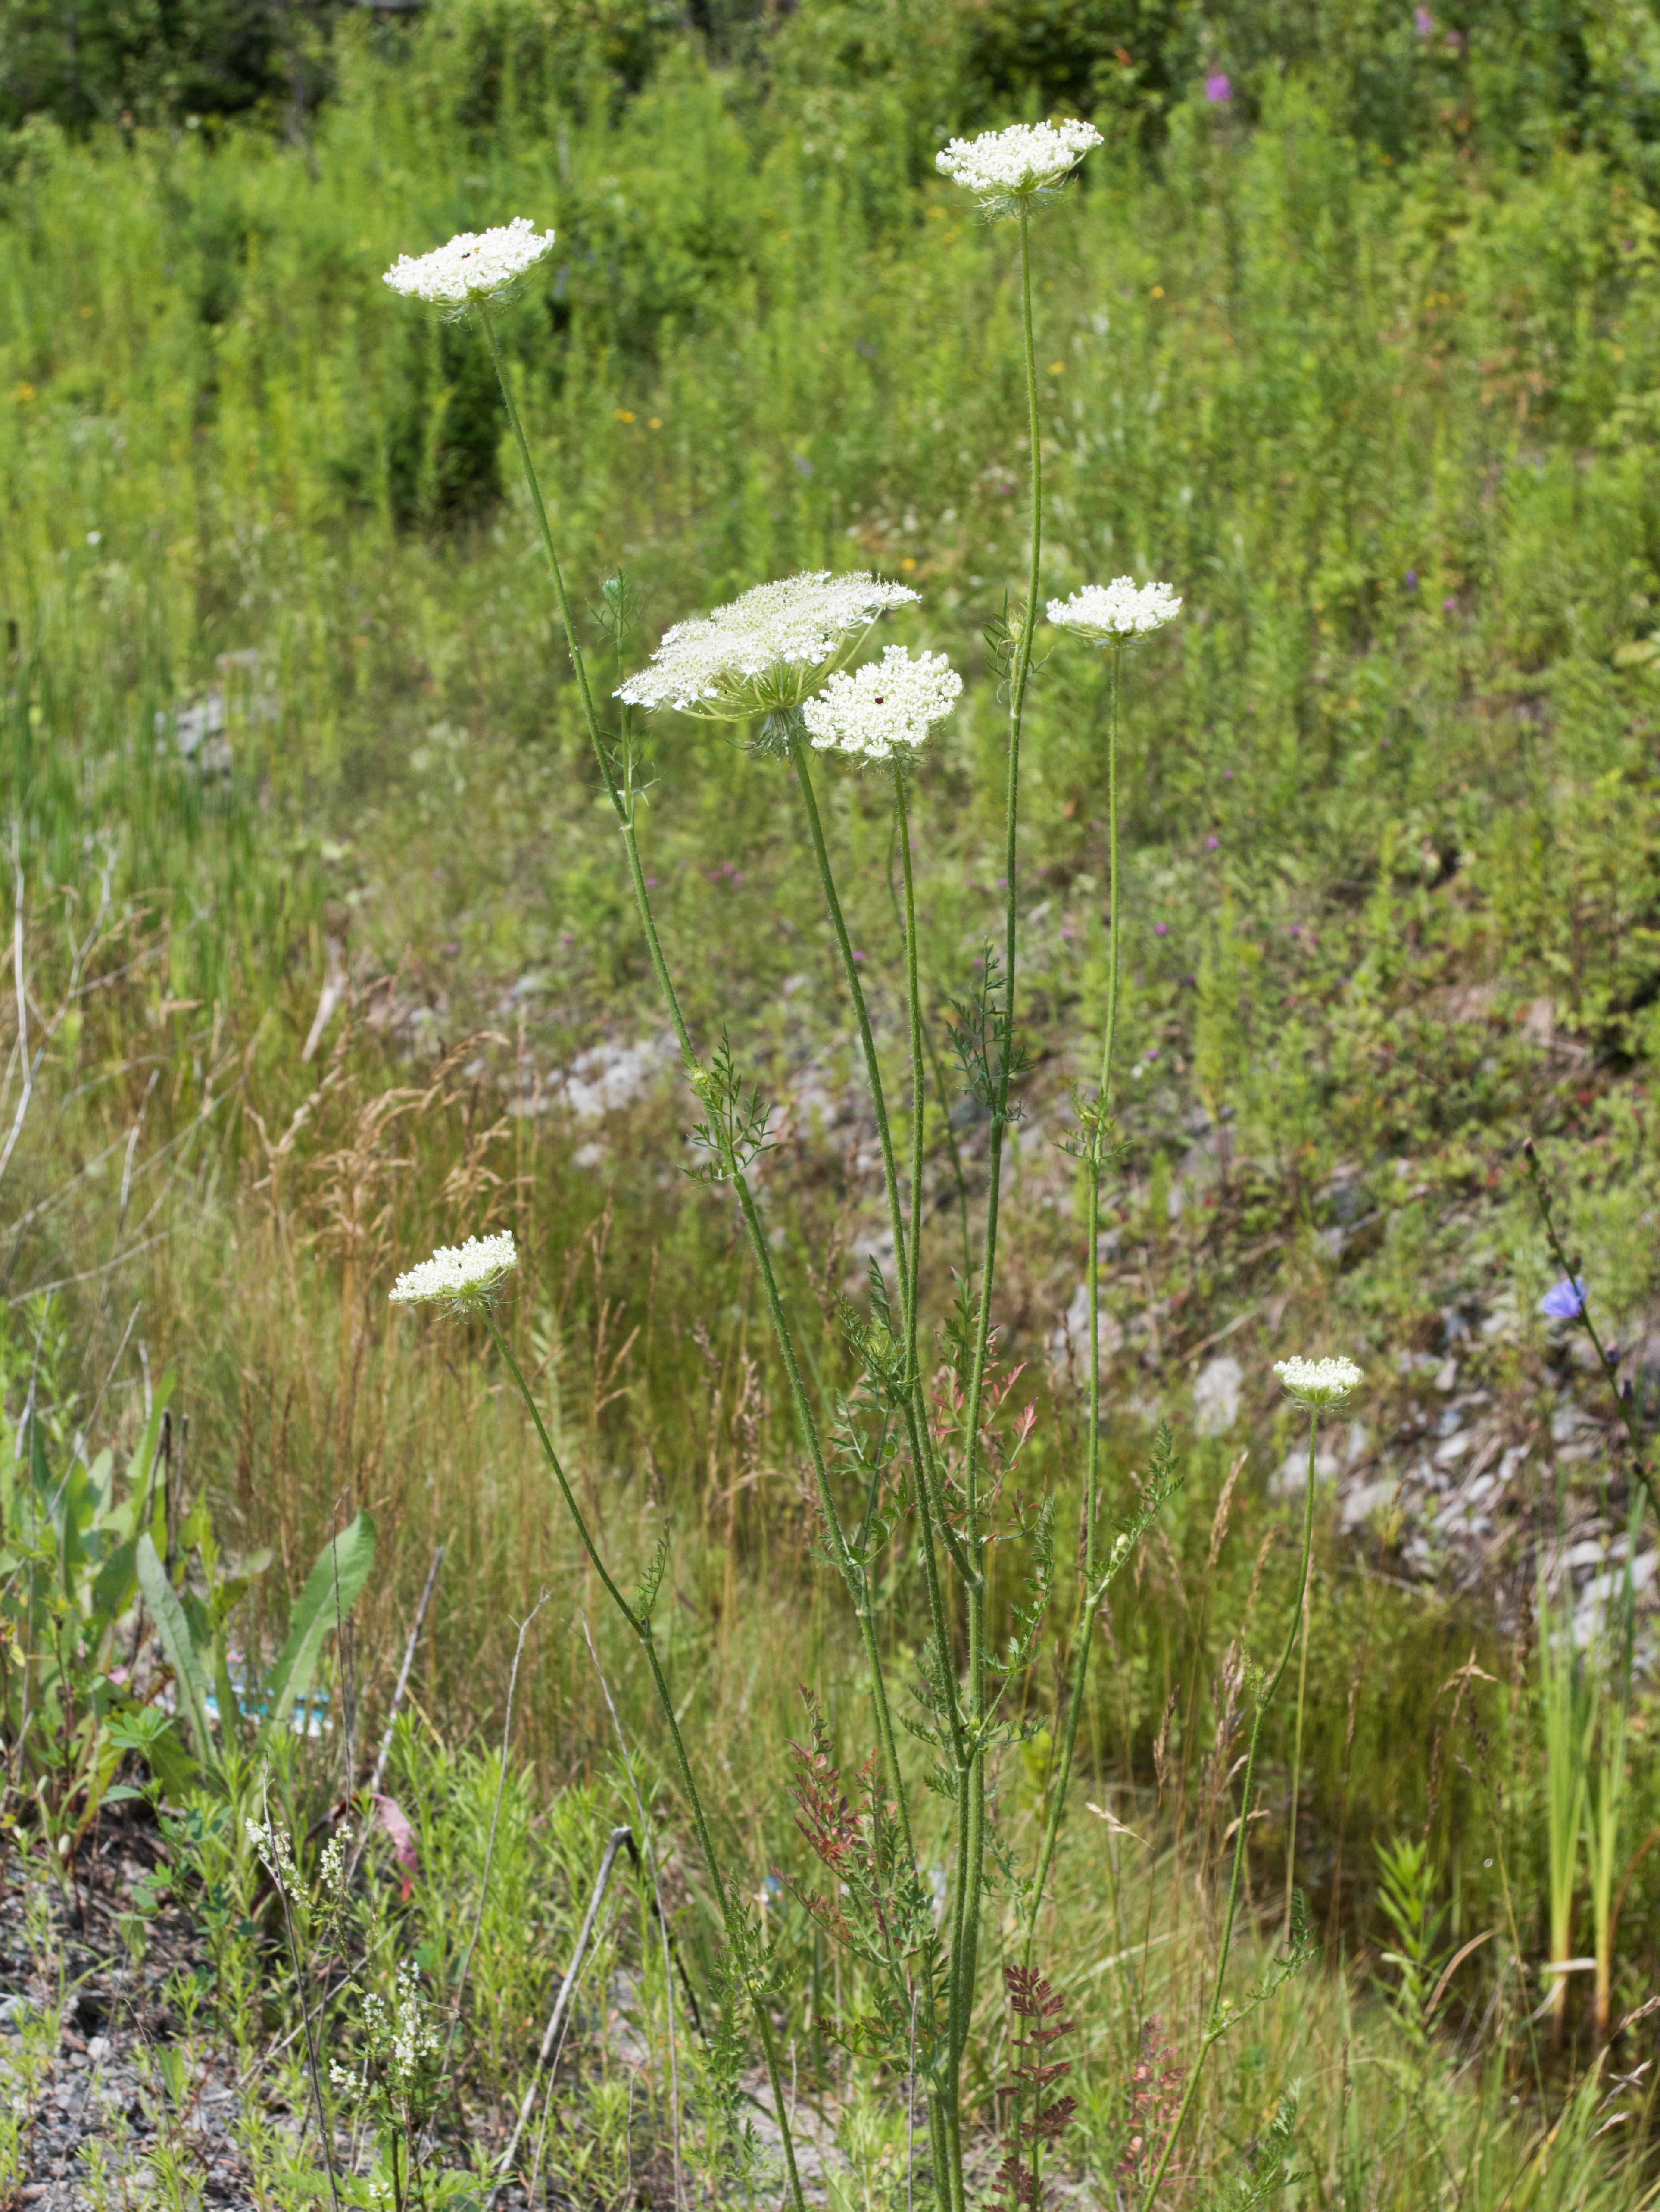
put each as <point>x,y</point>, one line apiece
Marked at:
<point>1218,89</point>
<point>803,463</point>
<point>858,957</point>
<point>1161,929</point>
<point>1227,776</point>
<point>1296,929</point>
<point>453,947</point>
<point>1564,1301</point>
<point>650,883</point>
<point>1412,580</point>
<point>1423,22</point>
<point>1449,605</point>
<point>1455,41</point>
<point>1152,1053</point>
<point>1211,843</point>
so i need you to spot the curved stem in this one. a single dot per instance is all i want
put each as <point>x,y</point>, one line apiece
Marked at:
<point>1215,2025</point>
<point>856,992</point>
<point>736,1931</point>
<point>1095,1140</point>
<point>555,570</point>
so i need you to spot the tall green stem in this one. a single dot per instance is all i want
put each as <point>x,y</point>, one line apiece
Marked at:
<point>621,798</point>
<point>972,1839</point>
<point>1095,1138</point>
<point>736,1933</point>
<point>929,1506</point>
<point>1216,2025</point>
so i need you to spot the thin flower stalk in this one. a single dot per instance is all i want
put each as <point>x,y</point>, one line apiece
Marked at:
<point>971,1842</point>
<point>1097,1122</point>
<point>640,1623</point>
<point>927,1500</point>
<point>620,793</point>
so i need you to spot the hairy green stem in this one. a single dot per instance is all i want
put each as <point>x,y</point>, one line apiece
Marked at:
<point>737,1933</point>
<point>1216,2024</point>
<point>555,570</point>
<point>622,803</point>
<point>972,1839</point>
<point>1095,1138</point>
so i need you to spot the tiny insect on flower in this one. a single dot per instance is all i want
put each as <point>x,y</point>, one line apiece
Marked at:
<point>474,265</point>
<point>884,709</point>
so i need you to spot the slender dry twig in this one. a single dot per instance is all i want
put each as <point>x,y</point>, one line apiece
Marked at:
<point>553,2036</point>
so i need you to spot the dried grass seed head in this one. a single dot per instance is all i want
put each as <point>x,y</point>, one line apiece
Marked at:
<point>888,706</point>
<point>1108,614</point>
<point>766,651</point>
<point>458,1276</point>
<point>475,264</point>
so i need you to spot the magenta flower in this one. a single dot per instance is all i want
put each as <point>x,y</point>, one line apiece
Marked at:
<point>1423,22</point>
<point>1211,843</point>
<point>1161,929</point>
<point>1218,90</point>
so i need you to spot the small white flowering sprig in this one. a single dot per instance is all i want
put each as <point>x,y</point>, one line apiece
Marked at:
<point>461,1278</point>
<point>272,1848</point>
<point>765,653</point>
<point>1021,168</point>
<point>1112,614</point>
<point>1315,1383</point>
<point>883,711</point>
<point>475,266</point>
<point>400,2073</point>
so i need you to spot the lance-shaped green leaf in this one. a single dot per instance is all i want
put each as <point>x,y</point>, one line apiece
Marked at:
<point>331,1589</point>
<point>173,1629</point>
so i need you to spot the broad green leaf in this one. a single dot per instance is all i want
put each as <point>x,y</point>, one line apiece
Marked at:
<point>331,1590</point>
<point>173,1629</point>
<point>113,1585</point>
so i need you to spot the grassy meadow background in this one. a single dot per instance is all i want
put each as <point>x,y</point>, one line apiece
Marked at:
<point>1365,359</point>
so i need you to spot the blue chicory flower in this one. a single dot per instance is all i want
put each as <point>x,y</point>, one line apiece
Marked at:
<point>1564,1301</point>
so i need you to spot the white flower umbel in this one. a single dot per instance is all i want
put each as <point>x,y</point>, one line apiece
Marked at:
<point>1027,161</point>
<point>1107,614</point>
<point>886,707</point>
<point>766,652</point>
<point>458,1275</point>
<point>1315,1382</point>
<point>475,264</point>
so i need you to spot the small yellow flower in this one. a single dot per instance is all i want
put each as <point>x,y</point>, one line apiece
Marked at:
<point>908,561</point>
<point>1158,291</point>
<point>1055,367</point>
<point>624,414</point>
<point>22,393</point>
<point>655,423</point>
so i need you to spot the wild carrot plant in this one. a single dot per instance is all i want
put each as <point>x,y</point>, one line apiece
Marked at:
<point>896,1459</point>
